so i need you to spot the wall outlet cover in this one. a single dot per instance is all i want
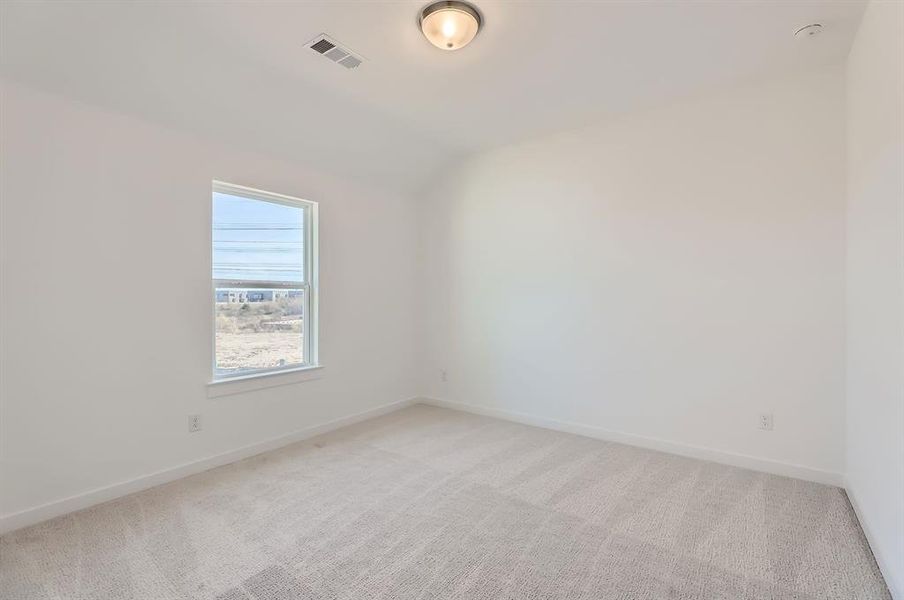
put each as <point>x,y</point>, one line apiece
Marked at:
<point>194,423</point>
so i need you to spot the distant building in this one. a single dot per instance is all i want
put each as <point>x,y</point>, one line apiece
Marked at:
<point>240,296</point>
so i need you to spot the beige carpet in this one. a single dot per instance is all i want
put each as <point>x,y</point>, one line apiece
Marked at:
<point>431,503</point>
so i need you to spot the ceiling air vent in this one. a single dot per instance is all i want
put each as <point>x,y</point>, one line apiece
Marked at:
<point>332,50</point>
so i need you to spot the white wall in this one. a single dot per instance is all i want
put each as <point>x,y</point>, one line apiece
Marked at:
<point>669,275</point>
<point>106,306</point>
<point>875,284</point>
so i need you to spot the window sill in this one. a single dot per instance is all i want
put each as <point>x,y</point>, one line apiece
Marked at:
<point>257,381</point>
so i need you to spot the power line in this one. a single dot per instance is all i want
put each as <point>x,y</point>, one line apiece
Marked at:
<point>256,242</point>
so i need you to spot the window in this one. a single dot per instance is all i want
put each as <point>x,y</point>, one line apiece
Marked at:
<point>264,282</point>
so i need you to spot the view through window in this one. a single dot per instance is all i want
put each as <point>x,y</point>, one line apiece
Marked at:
<point>263,267</point>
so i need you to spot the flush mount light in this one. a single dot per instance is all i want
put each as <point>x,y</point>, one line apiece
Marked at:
<point>450,24</point>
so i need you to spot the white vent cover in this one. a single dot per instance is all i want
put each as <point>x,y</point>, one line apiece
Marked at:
<point>333,50</point>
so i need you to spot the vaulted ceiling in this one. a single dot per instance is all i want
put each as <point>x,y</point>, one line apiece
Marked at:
<point>240,72</point>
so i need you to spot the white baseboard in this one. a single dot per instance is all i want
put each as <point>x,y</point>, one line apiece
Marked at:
<point>719,456</point>
<point>57,508</point>
<point>895,585</point>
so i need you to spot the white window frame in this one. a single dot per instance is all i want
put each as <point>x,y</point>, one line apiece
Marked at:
<point>310,285</point>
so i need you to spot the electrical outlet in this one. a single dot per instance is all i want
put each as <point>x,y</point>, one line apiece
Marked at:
<point>766,422</point>
<point>443,376</point>
<point>194,423</point>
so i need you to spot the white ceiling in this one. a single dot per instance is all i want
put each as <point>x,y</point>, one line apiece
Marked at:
<point>239,70</point>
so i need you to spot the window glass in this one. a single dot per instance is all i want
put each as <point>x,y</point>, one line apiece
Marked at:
<point>262,295</point>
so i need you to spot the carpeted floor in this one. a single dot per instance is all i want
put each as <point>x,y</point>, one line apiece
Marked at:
<point>430,503</point>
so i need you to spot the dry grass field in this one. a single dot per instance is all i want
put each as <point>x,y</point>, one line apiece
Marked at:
<point>259,335</point>
<point>251,350</point>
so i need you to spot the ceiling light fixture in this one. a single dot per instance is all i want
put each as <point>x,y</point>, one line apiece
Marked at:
<point>450,24</point>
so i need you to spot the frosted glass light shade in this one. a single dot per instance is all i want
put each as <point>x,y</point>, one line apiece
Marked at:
<point>450,25</point>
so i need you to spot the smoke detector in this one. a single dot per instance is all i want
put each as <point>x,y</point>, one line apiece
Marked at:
<point>333,50</point>
<point>808,31</point>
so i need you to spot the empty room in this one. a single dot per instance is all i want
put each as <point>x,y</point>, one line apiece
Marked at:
<point>466,300</point>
